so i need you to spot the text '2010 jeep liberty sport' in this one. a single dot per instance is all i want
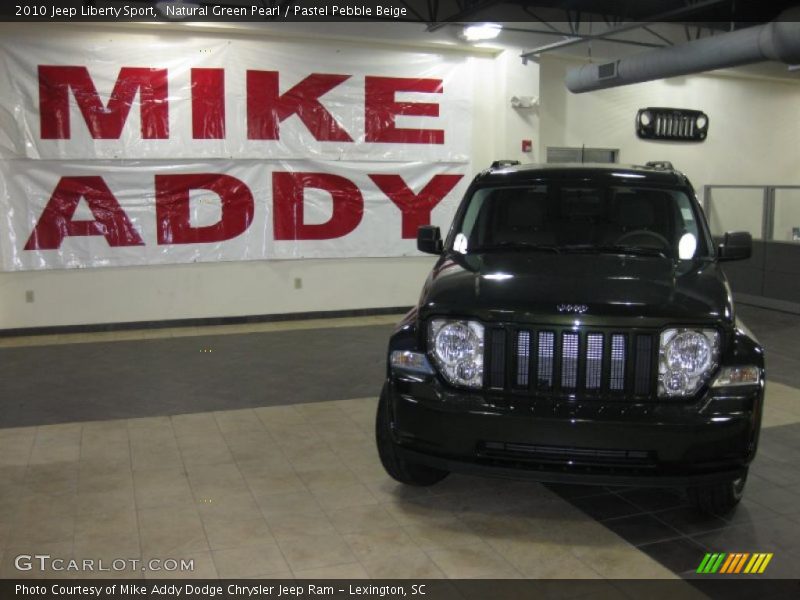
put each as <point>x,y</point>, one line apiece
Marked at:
<point>577,327</point>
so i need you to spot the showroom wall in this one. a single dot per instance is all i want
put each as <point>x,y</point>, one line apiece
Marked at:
<point>751,118</point>
<point>163,292</point>
<point>753,135</point>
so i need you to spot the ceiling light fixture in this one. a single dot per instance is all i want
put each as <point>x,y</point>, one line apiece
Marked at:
<point>480,32</point>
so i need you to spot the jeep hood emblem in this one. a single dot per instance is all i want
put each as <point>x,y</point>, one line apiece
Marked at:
<point>572,308</point>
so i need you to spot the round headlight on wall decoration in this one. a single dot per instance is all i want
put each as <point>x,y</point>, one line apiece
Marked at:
<point>457,349</point>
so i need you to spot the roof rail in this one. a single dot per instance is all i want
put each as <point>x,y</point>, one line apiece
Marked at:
<point>500,164</point>
<point>661,165</point>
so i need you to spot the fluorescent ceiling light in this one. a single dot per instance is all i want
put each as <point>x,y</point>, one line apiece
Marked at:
<point>481,32</point>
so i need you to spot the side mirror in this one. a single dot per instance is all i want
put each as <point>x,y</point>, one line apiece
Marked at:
<point>737,245</point>
<point>429,239</point>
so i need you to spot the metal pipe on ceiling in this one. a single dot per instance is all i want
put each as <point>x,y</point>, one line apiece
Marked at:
<point>670,15</point>
<point>778,41</point>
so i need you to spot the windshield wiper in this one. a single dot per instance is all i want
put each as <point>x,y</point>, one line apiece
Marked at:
<point>614,249</point>
<point>523,246</point>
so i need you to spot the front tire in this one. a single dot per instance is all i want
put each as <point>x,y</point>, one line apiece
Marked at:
<point>396,466</point>
<point>719,498</point>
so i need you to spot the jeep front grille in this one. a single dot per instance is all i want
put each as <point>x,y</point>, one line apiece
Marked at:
<point>675,124</point>
<point>570,362</point>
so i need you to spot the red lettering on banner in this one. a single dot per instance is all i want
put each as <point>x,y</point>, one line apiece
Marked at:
<point>104,122</point>
<point>287,206</point>
<point>173,208</point>
<point>267,107</point>
<point>416,208</point>
<point>381,108</point>
<point>56,221</point>
<point>208,104</point>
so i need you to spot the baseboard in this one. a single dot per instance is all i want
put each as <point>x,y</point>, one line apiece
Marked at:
<point>203,322</point>
<point>771,303</point>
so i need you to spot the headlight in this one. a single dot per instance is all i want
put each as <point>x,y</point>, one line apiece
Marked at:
<point>686,358</point>
<point>457,348</point>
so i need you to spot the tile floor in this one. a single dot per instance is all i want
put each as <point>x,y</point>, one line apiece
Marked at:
<point>297,491</point>
<point>270,489</point>
<point>287,491</point>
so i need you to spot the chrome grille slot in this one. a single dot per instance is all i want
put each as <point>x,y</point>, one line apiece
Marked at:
<point>617,376</point>
<point>594,360</point>
<point>569,360</point>
<point>523,357</point>
<point>544,356</point>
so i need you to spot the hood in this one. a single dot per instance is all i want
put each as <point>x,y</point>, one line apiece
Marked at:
<point>597,288</point>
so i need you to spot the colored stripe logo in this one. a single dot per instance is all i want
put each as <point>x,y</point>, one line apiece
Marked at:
<point>734,562</point>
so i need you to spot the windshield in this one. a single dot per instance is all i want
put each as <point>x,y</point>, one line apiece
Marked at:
<point>581,218</point>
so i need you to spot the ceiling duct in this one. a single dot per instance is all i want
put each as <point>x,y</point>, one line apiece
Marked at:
<point>778,40</point>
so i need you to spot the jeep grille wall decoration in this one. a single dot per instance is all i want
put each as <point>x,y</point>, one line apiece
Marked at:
<point>674,124</point>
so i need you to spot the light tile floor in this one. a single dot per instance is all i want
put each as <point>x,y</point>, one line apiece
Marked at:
<point>288,491</point>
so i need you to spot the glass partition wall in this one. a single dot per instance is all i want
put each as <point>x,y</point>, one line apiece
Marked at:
<point>771,213</point>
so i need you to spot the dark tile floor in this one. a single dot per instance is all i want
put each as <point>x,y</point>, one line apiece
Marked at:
<point>661,524</point>
<point>42,385</point>
<point>778,332</point>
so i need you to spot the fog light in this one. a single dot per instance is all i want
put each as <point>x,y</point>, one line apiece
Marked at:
<point>466,371</point>
<point>415,362</point>
<point>736,376</point>
<point>675,381</point>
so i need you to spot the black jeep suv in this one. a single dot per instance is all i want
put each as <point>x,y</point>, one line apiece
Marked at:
<point>577,327</point>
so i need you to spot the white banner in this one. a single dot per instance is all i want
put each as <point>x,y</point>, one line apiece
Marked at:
<point>111,213</point>
<point>134,149</point>
<point>135,96</point>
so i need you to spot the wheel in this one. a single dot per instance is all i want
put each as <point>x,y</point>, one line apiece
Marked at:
<point>717,499</point>
<point>396,466</point>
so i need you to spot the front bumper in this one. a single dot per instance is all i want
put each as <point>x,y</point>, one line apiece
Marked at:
<point>663,444</point>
